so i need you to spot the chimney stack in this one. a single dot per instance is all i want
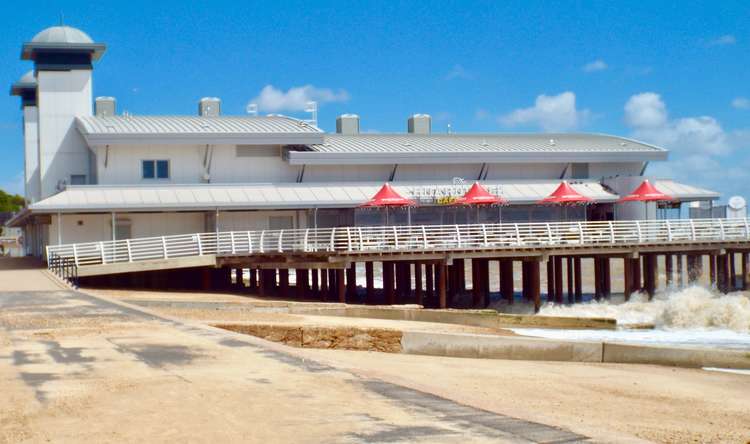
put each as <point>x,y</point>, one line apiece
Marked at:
<point>347,124</point>
<point>209,107</point>
<point>419,124</point>
<point>105,106</point>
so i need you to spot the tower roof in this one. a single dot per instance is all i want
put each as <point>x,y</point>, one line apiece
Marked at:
<point>62,39</point>
<point>26,84</point>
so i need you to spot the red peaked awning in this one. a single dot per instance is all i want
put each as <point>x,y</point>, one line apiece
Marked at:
<point>387,197</point>
<point>645,193</point>
<point>565,194</point>
<point>478,195</point>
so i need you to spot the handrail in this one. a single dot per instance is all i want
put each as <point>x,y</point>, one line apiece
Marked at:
<point>403,238</point>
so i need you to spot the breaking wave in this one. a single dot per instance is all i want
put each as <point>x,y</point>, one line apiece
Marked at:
<point>690,308</point>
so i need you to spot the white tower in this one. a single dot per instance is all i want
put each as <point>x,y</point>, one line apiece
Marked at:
<point>25,88</point>
<point>63,58</point>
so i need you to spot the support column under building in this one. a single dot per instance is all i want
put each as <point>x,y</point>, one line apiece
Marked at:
<point>506,280</point>
<point>418,295</point>
<point>388,288</point>
<point>351,282</point>
<point>442,271</point>
<point>627,278</point>
<point>578,278</point>
<point>369,283</point>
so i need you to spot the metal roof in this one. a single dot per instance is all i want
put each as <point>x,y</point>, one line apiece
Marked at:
<point>413,148</point>
<point>198,197</point>
<point>127,129</point>
<point>62,34</point>
<point>683,191</point>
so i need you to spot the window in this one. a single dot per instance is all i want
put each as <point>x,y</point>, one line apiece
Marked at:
<point>78,179</point>
<point>155,169</point>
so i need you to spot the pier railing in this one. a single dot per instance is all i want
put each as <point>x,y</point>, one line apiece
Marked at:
<point>414,238</point>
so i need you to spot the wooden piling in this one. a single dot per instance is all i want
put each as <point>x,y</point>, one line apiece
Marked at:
<point>369,283</point>
<point>418,295</point>
<point>637,275</point>
<point>351,282</point>
<point>341,285</point>
<point>649,273</point>
<point>627,266</point>
<point>430,281</point>
<point>315,290</point>
<point>606,277</point>
<point>732,277</point>
<point>324,285</point>
<point>743,281</point>
<point>558,280</point>
<point>475,286</point>
<point>284,283</point>
<point>506,280</point>
<point>460,274</point>
<point>531,269</point>
<point>680,271</point>
<point>442,271</point>
<point>332,286</point>
<point>569,273</point>
<point>712,269</point>
<point>668,270</point>
<point>390,296</point>
<point>550,279</point>
<point>597,279</point>
<point>578,278</point>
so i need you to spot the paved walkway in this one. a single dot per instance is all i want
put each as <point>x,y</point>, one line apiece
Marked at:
<point>75,367</point>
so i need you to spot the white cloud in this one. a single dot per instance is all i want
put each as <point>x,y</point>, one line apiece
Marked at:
<point>596,65</point>
<point>647,115</point>
<point>459,72</point>
<point>741,103</point>
<point>723,40</point>
<point>551,113</point>
<point>481,114</point>
<point>271,99</point>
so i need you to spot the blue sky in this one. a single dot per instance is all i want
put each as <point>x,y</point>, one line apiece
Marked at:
<point>674,74</point>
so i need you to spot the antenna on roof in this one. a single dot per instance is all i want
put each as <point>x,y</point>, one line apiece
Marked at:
<point>252,109</point>
<point>312,108</point>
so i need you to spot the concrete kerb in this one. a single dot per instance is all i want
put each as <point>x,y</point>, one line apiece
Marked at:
<point>476,318</point>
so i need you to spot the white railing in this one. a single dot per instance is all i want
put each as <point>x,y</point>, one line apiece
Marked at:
<point>415,238</point>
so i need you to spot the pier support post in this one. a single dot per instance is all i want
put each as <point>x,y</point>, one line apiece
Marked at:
<point>418,295</point>
<point>460,274</point>
<point>558,280</point>
<point>578,278</point>
<point>668,269</point>
<point>531,282</point>
<point>680,271</point>
<point>712,270</point>
<point>732,278</point>
<point>324,284</point>
<point>332,287</point>
<point>606,277</point>
<point>430,281</point>
<point>550,279</point>
<point>369,283</point>
<point>351,282</point>
<point>284,283</point>
<point>627,266</point>
<point>442,272</point>
<point>253,279</point>
<point>569,272</point>
<point>475,285</point>
<point>743,281</point>
<point>722,273</point>
<point>649,273</point>
<point>239,279</point>
<point>637,275</point>
<point>506,280</point>
<point>315,290</point>
<point>390,297</point>
<point>341,285</point>
<point>597,279</point>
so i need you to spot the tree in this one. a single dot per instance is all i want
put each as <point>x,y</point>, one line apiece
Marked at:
<point>10,202</point>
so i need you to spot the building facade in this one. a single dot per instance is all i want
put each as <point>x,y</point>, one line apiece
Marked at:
<point>92,174</point>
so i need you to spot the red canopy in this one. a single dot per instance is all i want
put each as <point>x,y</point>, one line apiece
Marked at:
<point>565,194</point>
<point>645,193</point>
<point>387,197</point>
<point>478,195</point>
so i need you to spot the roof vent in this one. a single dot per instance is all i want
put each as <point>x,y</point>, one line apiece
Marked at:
<point>419,124</point>
<point>347,124</point>
<point>209,107</point>
<point>105,106</point>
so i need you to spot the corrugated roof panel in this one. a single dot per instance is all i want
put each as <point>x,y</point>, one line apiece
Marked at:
<point>151,125</point>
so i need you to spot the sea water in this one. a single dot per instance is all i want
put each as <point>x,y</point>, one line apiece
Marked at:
<point>693,316</point>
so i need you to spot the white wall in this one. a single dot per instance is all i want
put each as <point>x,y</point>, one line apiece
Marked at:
<point>499,171</point>
<point>256,220</point>
<point>62,95</point>
<point>598,170</point>
<point>31,153</point>
<point>437,171</point>
<point>335,173</point>
<point>187,165</point>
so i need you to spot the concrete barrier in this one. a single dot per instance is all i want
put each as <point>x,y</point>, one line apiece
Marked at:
<point>673,356</point>
<point>475,318</point>
<point>499,347</point>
